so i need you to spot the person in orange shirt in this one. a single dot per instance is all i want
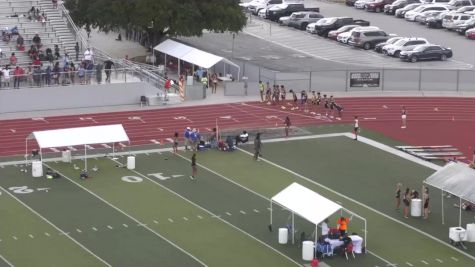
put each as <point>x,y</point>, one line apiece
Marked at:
<point>343,225</point>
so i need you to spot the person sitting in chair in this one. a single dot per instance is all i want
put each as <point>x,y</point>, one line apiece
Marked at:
<point>83,175</point>
<point>242,138</point>
<point>229,143</point>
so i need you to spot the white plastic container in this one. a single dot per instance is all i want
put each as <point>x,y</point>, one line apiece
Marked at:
<point>416,207</point>
<point>283,235</point>
<point>307,250</point>
<point>130,162</point>
<point>37,169</point>
<point>470,232</point>
<point>66,156</point>
<point>457,234</point>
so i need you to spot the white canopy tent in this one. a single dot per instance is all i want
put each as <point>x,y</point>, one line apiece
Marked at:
<point>308,205</point>
<point>79,136</point>
<point>192,55</point>
<point>456,178</point>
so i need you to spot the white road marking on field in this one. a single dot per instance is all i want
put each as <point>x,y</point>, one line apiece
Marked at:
<point>170,220</point>
<point>216,216</point>
<point>14,237</point>
<point>455,259</point>
<point>184,218</point>
<point>256,211</point>
<point>13,130</point>
<point>408,263</point>
<point>110,227</point>
<point>242,212</point>
<point>425,262</point>
<point>125,225</point>
<point>5,260</point>
<point>141,225</point>
<point>229,214</point>
<point>199,217</point>
<point>94,228</point>
<point>64,233</point>
<point>439,260</point>
<point>128,215</point>
<point>177,175</point>
<point>31,236</point>
<point>47,234</point>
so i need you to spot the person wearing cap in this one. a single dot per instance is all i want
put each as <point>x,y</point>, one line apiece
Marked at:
<point>187,137</point>
<point>195,139</point>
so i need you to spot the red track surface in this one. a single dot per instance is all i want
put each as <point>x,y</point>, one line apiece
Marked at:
<point>431,121</point>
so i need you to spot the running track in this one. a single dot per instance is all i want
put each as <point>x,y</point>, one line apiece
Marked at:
<point>431,121</point>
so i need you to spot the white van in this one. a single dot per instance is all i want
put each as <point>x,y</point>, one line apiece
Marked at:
<point>452,20</point>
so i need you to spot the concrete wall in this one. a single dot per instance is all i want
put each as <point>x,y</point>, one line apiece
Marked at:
<point>75,96</point>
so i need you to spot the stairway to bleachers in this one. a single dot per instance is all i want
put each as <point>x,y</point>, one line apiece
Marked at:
<point>55,31</point>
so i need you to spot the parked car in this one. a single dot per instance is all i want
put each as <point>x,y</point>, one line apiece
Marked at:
<point>262,13</point>
<point>344,37</point>
<point>344,29</point>
<point>360,4</point>
<point>377,5</point>
<point>399,13</point>
<point>311,28</point>
<point>403,44</point>
<point>411,15</point>
<point>455,4</point>
<point>367,39</point>
<point>426,52</point>
<point>435,1</point>
<point>247,4</point>
<point>286,9</point>
<point>470,33</point>
<point>467,25</point>
<point>255,7</point>
<point>466,10</point>
<point>300,20</point>
<point>337,22</point>
<point>452,20</point>
<point>390,9</point>
<point>350,2</point>
<point>379,47</point>
<point>422,17</point>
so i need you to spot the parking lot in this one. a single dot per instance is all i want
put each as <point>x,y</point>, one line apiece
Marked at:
<point>269,44</point>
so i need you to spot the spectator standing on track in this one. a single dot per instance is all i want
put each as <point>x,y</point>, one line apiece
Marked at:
<point>425,200</point>
<point>72,72</point>
<point>342,223</point>
<point>108,66</point>
<point>261,90</point>
<point>99,73</point>
<point>356,127</point>
<point>17,75</point>
<point>175,143</point>
<point>405,200</point>
<point>214,80</point>
<point>187,137</point>
<point>403,117</point>
<point>6,76</point>
<point>257,146</point>
<point>194,168</point>
<point>398,196</point>
<point>287,124</point>
<point>282,93</point>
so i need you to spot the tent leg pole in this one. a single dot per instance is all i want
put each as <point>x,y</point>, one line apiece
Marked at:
<point>85,158</point>
<point>113,150</point>
<point>292,229</point>
<point>26,153</point>
<point>460,212</point>
<point>271,212</point>
<point>442,196</point>
<point>365,236</point>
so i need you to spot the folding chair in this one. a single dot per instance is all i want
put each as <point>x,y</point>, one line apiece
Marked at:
<point>143,100</point>
<point>349,249</point>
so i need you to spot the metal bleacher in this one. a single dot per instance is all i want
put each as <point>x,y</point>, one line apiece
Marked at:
<point>55,32</point>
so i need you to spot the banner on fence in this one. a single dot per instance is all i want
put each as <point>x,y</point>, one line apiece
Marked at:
<point>365,79</point>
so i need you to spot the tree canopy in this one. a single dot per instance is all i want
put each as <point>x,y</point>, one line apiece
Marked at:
<point>159,17</point>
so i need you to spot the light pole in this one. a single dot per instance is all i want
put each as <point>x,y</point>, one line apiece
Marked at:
<point>232,49</point>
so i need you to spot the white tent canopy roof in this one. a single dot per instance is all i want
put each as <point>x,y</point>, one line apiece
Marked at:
<point>456,178</point>
<point>191,54</point>
<point>306,203</point>
<point>80,136</point>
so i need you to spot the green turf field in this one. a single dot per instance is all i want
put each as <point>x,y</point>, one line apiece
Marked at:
<point>156,216</point>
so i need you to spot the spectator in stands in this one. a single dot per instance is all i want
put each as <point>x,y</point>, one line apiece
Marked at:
<point>36,61</point>
<point>13,59</point>
<point>108,66</point>
<point>20,43</point>
<point>37,41</point>
<point>14,31</point>
<point>72,72</point>
<point>37,75</point>
<point>31,13</point>
<point>66,60</point>
<point>49,55</point>
<point>17,75</point>
<point>55,3</point>
<point>76,48</point>
<point>43,19</point>
<point>56,73</point>
<point>56,52</point>
<point>88,55</point>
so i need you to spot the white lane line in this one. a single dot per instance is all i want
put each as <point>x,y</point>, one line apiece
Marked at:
<point>455,259</point>
<point>439,260</point>
<point>184,218</point>
<point>5,260</point>
<point>78,230</point>
<point>31,236</point>
<point>409,264</point>
<point>256,211</point>
<point>170,220</point>
<point>141,224</point>
<point>214,215</point>
<point>125,225</point>
<point>155,221</point>
<point>110,227</point>
<point>14,237</point>
<point>56,227</point>
<point>63,233</point>
<point>242,212</point>
<point>425,262</point>
<point>199,217</point>
<point>229,214</point>
<point>94,228</point>
<point>47,234</point>
<point>128,215</point>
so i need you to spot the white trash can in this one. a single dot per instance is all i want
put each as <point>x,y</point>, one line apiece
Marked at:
<point>66,156</point>
<point>307,250</point>
<point>470,232</point>
<point>457,234</point>
<point>283,235</point>
<point>416,207</point>
<point>37,169</point>
<point>130,162</point>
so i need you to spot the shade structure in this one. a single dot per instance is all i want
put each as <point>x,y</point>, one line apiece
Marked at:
<point>456,178</point>
<point>309,205</point>
<point>80,136</point>
<point>191,55</point>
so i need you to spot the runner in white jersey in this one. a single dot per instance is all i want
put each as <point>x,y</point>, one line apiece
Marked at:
<point>403,117</point>
<point>356,128</point>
